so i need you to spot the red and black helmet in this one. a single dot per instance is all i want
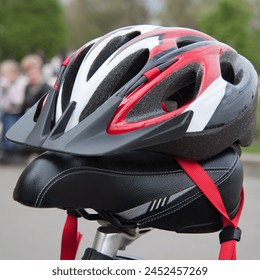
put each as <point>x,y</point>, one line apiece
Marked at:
<point>173,90</point>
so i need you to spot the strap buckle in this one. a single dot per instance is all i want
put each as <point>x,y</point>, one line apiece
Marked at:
<point>229,233</point>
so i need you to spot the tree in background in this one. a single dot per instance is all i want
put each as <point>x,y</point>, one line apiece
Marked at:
<point>89,19</point>
<point>182,13</point>
<point>31,26</point>
<point>234,22</point>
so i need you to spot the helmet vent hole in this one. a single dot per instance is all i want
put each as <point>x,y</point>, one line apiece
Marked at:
<point>112,46</point>
<point>184,43</point>
<point>185,90</point>
<point>135,66</point>
<point>188,40</point>
<point>180,97</point>
<point>116,79</point>
<point>71,76</point>
<point>227,72</point>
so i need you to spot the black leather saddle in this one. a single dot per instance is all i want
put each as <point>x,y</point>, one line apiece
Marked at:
<point>145,188</point>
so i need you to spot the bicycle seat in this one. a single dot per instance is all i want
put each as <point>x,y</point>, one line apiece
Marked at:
<point>144,187</point>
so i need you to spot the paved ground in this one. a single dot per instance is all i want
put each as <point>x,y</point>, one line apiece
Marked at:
<point>29,233</point>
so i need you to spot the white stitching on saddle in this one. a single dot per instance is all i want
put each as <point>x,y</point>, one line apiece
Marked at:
<point>199,193</point>
<point>46,188</point>
<point>59,176</point>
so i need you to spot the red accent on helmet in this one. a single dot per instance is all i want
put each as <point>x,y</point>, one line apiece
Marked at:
<point>206,56</point>
<point>66,61</point>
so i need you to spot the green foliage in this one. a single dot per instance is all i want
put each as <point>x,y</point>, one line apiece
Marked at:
<point>235,22</point>
<point>232,22</point>
<point>31,26</point>
<point>258,121</point>
<point>89,19</point>
<point>182,13</point>
<point>254,148</point>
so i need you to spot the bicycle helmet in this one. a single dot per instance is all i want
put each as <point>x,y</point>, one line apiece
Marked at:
<point>173,90</point>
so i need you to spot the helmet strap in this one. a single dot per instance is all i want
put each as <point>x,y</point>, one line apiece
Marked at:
<point>230,232</point>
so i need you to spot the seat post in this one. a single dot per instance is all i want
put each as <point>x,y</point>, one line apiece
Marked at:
<point>109,240</point>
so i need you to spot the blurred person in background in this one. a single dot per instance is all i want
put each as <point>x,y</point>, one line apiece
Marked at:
<point>36,85</point>
<point>51,69</point>
<point>12,88</point>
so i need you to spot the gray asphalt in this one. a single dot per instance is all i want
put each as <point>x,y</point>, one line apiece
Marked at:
<point>29,233</point>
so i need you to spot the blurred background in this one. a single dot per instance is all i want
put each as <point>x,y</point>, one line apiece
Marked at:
<point>54,28</point>
<point>35,37</point>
